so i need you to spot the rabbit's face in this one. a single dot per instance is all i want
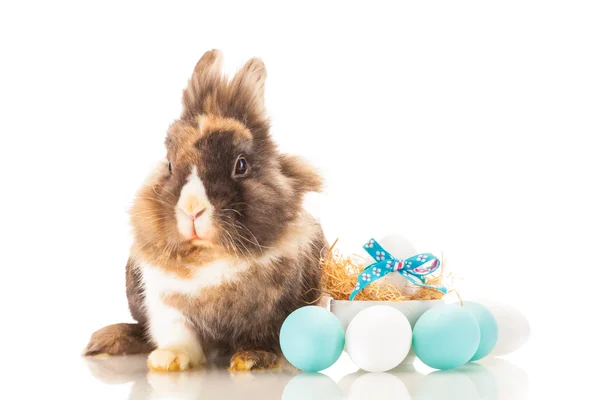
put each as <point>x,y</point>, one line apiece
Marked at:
<point>224,183</point>
<point>221,183</point>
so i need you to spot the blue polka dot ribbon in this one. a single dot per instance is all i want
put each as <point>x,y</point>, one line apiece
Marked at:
<point>414,268</point>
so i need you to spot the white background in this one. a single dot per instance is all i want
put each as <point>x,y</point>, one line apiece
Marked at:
<point>469,127</point>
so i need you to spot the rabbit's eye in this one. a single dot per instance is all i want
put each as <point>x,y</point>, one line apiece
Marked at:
<point>241,167</point>
<point>170,167</point>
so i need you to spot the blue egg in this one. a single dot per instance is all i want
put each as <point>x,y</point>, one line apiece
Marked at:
<point>488,329</point>
<point>446,337</point>
<point>312,338</point>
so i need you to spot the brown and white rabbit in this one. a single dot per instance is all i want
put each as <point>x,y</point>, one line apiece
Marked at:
<point>223,250</point>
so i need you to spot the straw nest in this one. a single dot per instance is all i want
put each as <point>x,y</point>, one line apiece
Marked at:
<point>341,272</point>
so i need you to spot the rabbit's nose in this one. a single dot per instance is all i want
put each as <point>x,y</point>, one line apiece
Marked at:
<point>192,213</point>
<point>193,216</point>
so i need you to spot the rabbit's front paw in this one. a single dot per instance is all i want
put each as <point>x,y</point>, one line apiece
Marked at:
<point>168,360</point>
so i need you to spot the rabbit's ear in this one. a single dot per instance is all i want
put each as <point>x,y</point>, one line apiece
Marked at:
<point>248,86</point>
<point>205,79</point>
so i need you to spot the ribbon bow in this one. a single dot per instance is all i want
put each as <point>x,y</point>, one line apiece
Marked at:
<point>414,268</point>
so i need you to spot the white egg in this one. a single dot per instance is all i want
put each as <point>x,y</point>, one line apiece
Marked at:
<point>378,338</point>
<point>400,248</point>
<point>394,278</point>
<point>513,327</point>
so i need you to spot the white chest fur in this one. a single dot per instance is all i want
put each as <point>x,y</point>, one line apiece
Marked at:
<point>167,325</point>
<point>158,281</point>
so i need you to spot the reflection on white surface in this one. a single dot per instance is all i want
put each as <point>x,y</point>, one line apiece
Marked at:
<point>312,386</point>
<point>512,382</point>
<point>451,384</point>
<point>206,383</point>
<point>378,385</point>
<point>490,379</point>
<point>410,376</point>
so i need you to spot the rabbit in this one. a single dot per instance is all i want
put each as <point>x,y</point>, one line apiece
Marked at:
<point>223,250</point>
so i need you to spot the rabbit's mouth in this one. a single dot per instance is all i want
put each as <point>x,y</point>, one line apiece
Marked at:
<point>195,237</point>
<point>198,240</point>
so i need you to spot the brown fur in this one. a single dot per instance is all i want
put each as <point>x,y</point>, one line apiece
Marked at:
<point>253,359</point>
<point>249,315</point>
<point>135,292</point>
<point>258,218</point>
<point>118,339</point>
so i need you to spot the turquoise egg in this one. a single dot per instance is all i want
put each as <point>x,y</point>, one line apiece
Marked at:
<point>488,329</point>
<point>312,338</point>
<point>446,337</point>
